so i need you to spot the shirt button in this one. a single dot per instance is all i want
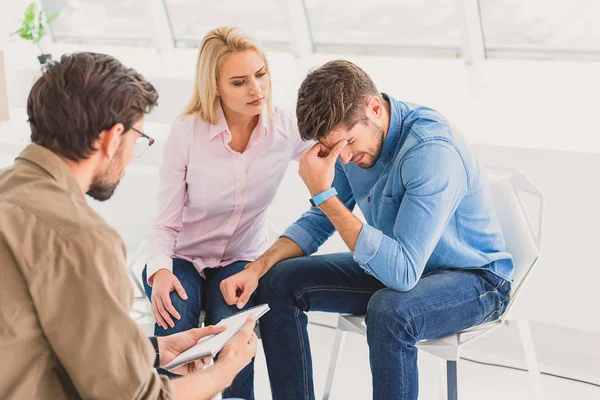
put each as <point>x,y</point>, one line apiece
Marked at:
<point>369,199</point>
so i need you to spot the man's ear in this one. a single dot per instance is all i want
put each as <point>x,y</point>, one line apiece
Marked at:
<point>110,140</point>
<point>374,106</point>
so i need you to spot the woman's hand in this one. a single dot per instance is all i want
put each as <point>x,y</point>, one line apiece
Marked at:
<point>164,282</point>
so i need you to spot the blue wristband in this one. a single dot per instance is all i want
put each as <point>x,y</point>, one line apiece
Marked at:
<point>321,197</point>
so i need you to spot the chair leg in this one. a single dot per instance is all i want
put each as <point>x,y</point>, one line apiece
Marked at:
<point>531,359</point>
<point>441,381</point>
<point>452,380</point>
<point>137,285</point>
<point>335,355</point>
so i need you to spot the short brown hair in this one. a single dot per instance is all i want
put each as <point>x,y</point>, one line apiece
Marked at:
<point>333,95</point>
<point>81,95</point>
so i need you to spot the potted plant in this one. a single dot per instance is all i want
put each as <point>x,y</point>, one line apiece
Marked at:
<point>34,27</point>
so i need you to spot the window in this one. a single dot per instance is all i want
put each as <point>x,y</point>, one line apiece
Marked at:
<point>541,29</point>
<point>385,27</point>
<point>107,22</point>
<point>264,19</point>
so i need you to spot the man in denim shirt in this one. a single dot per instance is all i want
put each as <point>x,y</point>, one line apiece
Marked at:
<point>429,261</point>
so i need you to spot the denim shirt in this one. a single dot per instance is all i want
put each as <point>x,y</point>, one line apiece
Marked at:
<point>426,202</point>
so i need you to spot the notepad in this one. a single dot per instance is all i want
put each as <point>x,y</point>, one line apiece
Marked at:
<point>211,345</point>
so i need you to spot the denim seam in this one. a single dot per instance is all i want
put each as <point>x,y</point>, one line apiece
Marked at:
<point>495,311</point>
<point>303,351</point>
<point>481,296</point>
<point>310,247</point>
<point>297,312</point>
<point>402,353</point>
<point>452,145</point>
<point>408,323</point>
<point>335,289</point>
<point>374,253</point>
<point>447,143</point>
<point>414,315</point>
<point>422,143</point>
<point>442,306</point>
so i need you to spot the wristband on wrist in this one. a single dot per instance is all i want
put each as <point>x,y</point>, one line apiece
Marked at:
<point>321,197</point>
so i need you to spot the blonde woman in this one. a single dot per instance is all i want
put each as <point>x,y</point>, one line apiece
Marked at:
<point>223,162</point>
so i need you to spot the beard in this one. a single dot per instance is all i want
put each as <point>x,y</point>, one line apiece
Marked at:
<point>104,184</point>
<point>373,154</point>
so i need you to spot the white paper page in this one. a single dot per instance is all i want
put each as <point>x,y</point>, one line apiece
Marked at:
<point>211,345</point>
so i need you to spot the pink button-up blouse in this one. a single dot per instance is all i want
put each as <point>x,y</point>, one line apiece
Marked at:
<point>212,201</point>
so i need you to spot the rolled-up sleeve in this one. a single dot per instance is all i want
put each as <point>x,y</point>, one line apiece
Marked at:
<point>435,180</point>
<point>83,296</point>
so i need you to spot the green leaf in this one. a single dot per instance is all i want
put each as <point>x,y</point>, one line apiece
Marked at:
<point>30,12</point>
<point>52,17</point>
<point>34,24</point>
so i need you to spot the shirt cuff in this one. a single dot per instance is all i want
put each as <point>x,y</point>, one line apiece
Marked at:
<point>367,245</point>
<point>157,263</point>
<point>154,342</point>
<point>302,238</point>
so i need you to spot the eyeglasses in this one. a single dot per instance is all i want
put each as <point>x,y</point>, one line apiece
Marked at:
<point>141,145</point>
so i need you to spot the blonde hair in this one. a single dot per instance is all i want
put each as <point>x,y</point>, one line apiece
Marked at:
<point>216,45</point>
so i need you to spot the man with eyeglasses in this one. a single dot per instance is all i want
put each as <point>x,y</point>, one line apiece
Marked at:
<point>142,145</point>
<point>65,330</point>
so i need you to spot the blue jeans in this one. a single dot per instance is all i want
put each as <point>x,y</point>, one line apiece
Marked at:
<point>443,302</point>
<point>205,294</point>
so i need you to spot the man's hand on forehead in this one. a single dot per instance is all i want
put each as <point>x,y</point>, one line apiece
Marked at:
<point>325,150</point>
<point>317,171</point>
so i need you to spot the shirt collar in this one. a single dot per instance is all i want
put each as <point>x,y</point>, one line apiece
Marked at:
<point>394,128</point>
<point>263,125</point>
<point>221,126</point>
<point>54,166</point>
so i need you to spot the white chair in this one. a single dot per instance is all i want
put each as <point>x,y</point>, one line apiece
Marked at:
<point>523,236</point>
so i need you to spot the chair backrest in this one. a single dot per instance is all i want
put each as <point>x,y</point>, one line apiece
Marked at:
<point>523,240</point>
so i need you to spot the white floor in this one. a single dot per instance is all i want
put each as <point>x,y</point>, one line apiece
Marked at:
<point>353,380</point>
